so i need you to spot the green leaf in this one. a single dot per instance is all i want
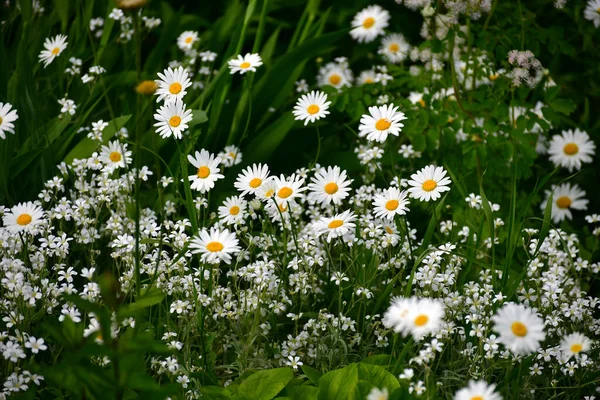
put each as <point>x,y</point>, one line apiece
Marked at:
<point>86,146</point>
<point>565,106</point>
<point>378,376</point>
<point>150,298</point>
<point>215,393</point>
<point>265,143</point>
<point>266,384</point>
<point>341,384</point>
<point>198,117</point>
<point>312,374</point>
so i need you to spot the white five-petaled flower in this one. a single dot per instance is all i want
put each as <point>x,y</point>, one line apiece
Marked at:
<point>53,48</point>
<point>244,64</point>
<point>311,107</point>
<point>173,119</point>
<point>172,84</point>
<point>24,217</point>
<point>428,183</point>
<point>7,117</point>
<point>382,121</point>
<point>207,170</point>
<point>215,245</point>
<point>369,23</point>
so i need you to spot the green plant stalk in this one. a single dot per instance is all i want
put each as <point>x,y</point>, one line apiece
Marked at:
<point>138,139</point>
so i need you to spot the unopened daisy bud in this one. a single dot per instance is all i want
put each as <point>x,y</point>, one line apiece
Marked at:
<point>428,11</point>
<point>146,88</point>
<point>131,4</point>
<point>256,204</point>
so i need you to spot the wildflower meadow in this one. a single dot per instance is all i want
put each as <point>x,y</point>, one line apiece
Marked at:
<point>300,199</point>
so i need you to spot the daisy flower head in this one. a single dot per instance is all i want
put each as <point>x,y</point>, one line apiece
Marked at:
<point>520,329</point>
<point>382,121</point>
<point>266,190</point>
<point>244,64</point>
<point>394,48</point>
<point>565,199</point>
<point>336,75</point>
<point>186,40</point>
<point>173,119</point>
<point>230,156</point>
<point>311,107</point>
<point>53,48</point>
<point>376,394</point>
<point>336,226</point>
<point>571,148</point>
<point>287,190</point>
<point>252,178</point>
<point>7,117</point>
<point>215,245</point>
<point>329,185</point>
<point>233,210</point>
<point>207,170</point>
<point>417,317</point>
<point>478,390</point>
<point>172,84</point>
<point>390,203</point>
<point>367,77</point>
<point>369,23</point>
<point>574,344</point>
<point>416,98</point>
<point>592,12</point>
<point>24,217</point>
<point>115,155</point>
<point>428,183</point>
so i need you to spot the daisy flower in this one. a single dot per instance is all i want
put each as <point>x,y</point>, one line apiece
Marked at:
<point>390,203</point>
<point>230,156</point>
<point>172,84</point>
<point>186,40</point>
<point>7,117</point>
<point>233,210</point>
<point>479,390</point>
<point>565,199</point>
<point>115,155</point>
<point>369,23</point>
<point>417,317</point>
<point>394,48</point>
<point>249,62</point>
<point>53,47</point>
<point>215,245</point>
<point>575,343</point>
<point>252,178</point>
<point>376,394</point>
<point>381,122</point>
<point>416,98</point>
<point>570,149</point>
<point>520,329</point>
<point>311,107</point>
<point>335,75</point>
<point>23,217</point>
<point>207,173</point>
<point>288,189</point>
<point>266,190</point>
<point>428,183</point>
<point>592,12</point>
<point>336,226</point>
<point>329,185</point>
<point>367,77</point>
<point>173,119</point>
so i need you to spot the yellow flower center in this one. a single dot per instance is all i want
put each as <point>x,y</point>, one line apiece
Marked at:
<point>336,223</point>
<point>571,149</point>
<point>284,192</point>
<point>245,65</point>
<point>493,77</point>
<point>0,120</point>
<point>369,80</point>
<point>189,39</point>
<point>389,230</point>
<point>393,47</point>
<point>519,329</point>
<point>269,193</point>
<point>391,205</point>
<point>255,182</point>
<point>563,202</point>
<point>331,188</point>
<point>174,121</point>
<point>335,79</point>
<point>382,124</point>
<point>235,210</point>
<point>55,51</point>
<point>421,320</point>
<point>598,10</point>
<point>422,103</point>
<point>282,207</point>
<point>24,219</point>
<point>146,87</point>
<point>312,109</point>
<point>115,156</point>
<point>175,88</point>
<point>369,22</point>
<point>477,398</point>
<point>203,172</point>
<point>214,247</point>
<point>576,348</point>
<point>429,185</point>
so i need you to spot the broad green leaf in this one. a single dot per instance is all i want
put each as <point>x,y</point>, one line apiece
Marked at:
<point>378,376</point>
<point>564,106</point>
<point>265,143</point>
<point>341,384</point>
<point>266,384</point>
<point>312,374</point>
